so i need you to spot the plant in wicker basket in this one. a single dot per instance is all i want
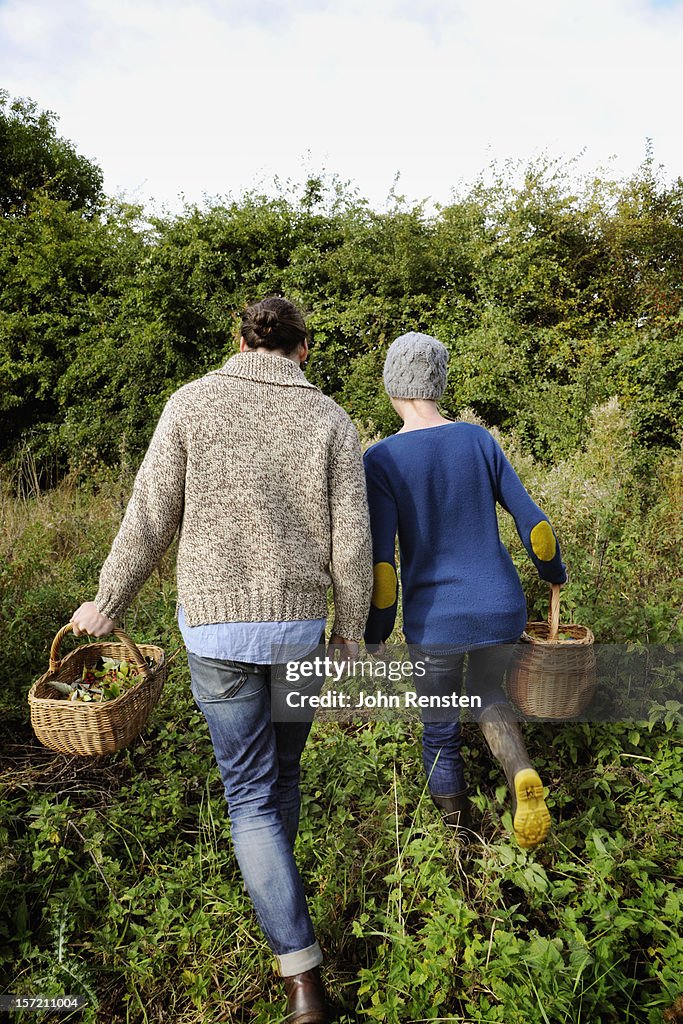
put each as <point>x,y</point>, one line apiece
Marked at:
<point>105,680</point>
<point>72,714</point>
<point>552,674</point>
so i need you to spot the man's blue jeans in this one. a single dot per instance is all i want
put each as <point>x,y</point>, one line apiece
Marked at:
<point>259,762</point>
<point>441,732</point>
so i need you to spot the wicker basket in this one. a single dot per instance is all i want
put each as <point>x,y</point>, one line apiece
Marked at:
<point>552,677</point>
<point>95,728</point>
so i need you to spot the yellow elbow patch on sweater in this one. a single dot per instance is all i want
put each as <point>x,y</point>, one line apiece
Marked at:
<point>385,585</point>
<point>543,542</point>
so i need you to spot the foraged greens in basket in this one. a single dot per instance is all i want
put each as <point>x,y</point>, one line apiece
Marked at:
<point>107,679</point>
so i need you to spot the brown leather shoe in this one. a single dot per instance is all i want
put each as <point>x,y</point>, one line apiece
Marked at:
<point>305,998</point>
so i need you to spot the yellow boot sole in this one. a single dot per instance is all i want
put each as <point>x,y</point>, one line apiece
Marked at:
<point>532,820</point>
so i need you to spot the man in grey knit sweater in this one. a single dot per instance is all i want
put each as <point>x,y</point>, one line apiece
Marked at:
<point>263,476</point>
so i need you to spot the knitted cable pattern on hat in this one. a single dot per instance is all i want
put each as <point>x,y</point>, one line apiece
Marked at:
<point>416,366</point>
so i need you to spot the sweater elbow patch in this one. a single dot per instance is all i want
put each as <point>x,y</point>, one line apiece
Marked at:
<point>543,543</point>
<point>385,585</point>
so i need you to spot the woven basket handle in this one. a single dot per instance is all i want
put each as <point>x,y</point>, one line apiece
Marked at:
<point>131,649</point>
<point>554,611</point>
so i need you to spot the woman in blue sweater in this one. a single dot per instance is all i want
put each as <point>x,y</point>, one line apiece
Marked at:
<point>437,484</point>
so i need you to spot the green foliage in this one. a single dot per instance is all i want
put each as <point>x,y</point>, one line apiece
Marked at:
<point>58,272</point>
<point>619,514</point>
<point>34,159</point>
<point>552,295</point>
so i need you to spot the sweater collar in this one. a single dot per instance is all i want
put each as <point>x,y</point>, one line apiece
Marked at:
<point>265,368</point>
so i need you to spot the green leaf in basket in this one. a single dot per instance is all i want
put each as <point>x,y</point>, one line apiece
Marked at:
<point>61,687</point>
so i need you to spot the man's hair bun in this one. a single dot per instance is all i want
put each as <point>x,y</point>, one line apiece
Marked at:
<point>275,324</point>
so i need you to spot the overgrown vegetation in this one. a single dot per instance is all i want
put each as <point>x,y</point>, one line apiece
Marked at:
<point>117,880</point>
<point>552,295</point>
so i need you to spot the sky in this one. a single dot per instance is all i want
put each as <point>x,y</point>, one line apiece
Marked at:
<point>178,100</point>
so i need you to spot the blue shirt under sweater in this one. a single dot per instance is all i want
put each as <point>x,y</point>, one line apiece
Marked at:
<point>260,643</point>
<point>438,487</point>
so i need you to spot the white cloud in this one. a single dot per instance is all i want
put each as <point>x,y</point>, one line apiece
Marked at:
<point>208,96</point>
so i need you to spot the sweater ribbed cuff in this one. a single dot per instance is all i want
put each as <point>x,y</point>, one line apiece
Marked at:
<point>350,629</point>
<point>111,605</point>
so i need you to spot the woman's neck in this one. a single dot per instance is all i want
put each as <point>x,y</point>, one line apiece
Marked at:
<point>418,413</point>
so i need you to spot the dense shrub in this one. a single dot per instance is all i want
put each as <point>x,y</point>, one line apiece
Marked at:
<point>552,295</point>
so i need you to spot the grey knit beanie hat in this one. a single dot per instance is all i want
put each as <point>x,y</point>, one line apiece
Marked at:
<point>416,366</point>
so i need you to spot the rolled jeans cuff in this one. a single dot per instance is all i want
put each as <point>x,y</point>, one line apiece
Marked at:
<point>299,961</point>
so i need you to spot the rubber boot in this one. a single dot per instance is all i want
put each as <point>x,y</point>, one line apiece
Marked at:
<point>530,817</point>
<point>455,812</point>
<point>306,998</point>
